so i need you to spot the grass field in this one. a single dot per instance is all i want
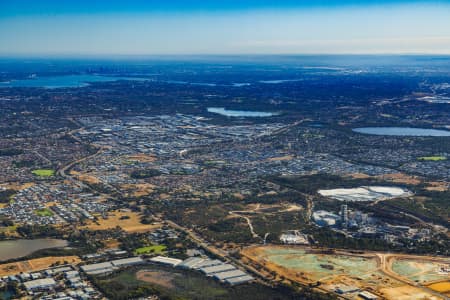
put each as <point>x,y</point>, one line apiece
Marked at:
<point>44,172</point>
<point>156,249</point>
<point>45,212</point>
<point>432,158</point>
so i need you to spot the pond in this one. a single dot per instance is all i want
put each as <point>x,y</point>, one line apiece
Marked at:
<point>402,131</point>
<point>239,113</point>
<point>19,248</point>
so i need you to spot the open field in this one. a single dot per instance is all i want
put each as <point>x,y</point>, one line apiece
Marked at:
<point>10,231</point>
<point>111,243</point>
<point>365,271</point>
<point>138,189</point>
<point>16,186</point>
<point>407,292</point>
<point>128,221</point>
<point>400,178</point>
<point>140,157</point>
<point>35,264</point>
<point>43,172</point>
<point>160,277</point>
<point>438,186</point>
<point>85,177</point>
<point>281,158</point>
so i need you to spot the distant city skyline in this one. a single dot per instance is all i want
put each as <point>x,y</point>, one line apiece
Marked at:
<point>99,27</point>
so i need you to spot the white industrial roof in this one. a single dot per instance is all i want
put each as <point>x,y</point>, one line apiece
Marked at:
<point>127,261</point>
<point>166,260</point>
<point>95,267</point>
<point>39,283</point>
<point>229,274</point>
<point>217,269</point>
<point>241,279</point>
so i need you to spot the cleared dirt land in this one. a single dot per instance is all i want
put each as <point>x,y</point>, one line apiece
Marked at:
<point>340,269</point>
<point>85,177</point>
<point>35,264</point>
<point>161,278</point>
<point>128,221</point>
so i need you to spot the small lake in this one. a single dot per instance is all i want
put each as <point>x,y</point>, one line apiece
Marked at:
<point>402,131</point>
<point>19,248</point>
<point>53,82</point>
<point>239,113</point>
<point>277,81</point>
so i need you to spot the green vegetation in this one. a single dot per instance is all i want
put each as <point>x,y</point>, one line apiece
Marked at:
<point>44,172</point>
<point>156,249</point>
<point>142,174</point>
<point>432,158</point>
<point>24,163</point>
<point>185,284</point>
<point>124,285</point>
<point>45,212</point>
<point>10,152</point>
<point>431,206</point>
<point>6,195</point>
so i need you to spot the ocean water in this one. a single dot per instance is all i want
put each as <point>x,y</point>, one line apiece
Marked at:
<point>63,81</point>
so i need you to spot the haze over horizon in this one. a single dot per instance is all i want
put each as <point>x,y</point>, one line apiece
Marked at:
<point>223,27</point>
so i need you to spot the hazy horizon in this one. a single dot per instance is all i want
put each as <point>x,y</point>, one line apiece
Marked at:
<point>152,28</point>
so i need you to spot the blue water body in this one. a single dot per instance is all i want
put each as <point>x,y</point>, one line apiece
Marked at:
<point>402,131</point>
<point>236,84</point>
<point>191,83</point>
<point>11,249</point>
<point>277,81</point>
<point>63,81</point>
<point>239,113</point>
<point>241,84</point>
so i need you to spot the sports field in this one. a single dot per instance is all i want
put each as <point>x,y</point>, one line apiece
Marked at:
<point>45,212</point>
<point>432,158</point>
<point>156,249</point>
<point>43,172</point>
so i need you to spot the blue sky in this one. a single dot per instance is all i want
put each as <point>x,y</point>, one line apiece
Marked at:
<point>100,27</point>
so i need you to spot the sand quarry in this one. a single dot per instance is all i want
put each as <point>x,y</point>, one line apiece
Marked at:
<point>373,272</point>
